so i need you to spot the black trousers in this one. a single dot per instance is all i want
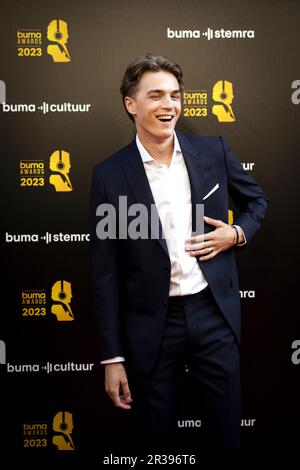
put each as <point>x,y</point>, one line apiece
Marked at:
<point>196,334</point>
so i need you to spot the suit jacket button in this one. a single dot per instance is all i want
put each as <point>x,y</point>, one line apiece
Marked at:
<point>165,302</point>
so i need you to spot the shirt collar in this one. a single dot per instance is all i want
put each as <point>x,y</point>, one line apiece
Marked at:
<point>145,155</point>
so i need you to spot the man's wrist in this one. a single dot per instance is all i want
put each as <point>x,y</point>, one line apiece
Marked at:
<point>236,235</point>
<point>241,236</point>
<point>113,360</point>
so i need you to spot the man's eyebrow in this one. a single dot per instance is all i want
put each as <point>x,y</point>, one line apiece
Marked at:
<point>161,91</point>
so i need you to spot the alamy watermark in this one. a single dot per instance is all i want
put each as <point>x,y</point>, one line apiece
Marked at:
<point>133,221</point>
<point>2,92</point>
<point>2,352</point>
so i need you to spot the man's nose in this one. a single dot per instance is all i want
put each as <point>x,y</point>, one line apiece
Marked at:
<point>167,102</point>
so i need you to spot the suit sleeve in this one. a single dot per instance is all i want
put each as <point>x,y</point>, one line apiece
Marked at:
<point>105,278</point>
<point>246,195</point>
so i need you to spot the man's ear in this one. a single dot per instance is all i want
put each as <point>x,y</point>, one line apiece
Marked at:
<point>130,105</point>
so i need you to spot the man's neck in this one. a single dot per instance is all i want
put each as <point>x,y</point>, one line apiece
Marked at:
<point>160,150</point>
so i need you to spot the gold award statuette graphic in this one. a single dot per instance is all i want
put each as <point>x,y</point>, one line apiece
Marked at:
<point>57,34</point>
<point>223,95</point>
<point>63,427</point>
<point>61,295</point>
<point>60,166</point>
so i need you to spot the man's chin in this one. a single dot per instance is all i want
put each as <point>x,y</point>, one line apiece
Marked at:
<point>165,133</point>
<point>159,133</point>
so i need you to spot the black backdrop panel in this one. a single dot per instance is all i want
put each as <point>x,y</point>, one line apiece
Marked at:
<point>49,366</point>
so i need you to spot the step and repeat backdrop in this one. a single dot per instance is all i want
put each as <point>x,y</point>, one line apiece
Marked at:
<point>61,113</point>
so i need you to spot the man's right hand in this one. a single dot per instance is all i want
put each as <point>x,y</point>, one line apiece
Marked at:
<point>116,381</point>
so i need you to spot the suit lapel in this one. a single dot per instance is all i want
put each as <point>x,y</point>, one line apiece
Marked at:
<point>139,185</point>
<point>193,162</point>
<point>195,167</point>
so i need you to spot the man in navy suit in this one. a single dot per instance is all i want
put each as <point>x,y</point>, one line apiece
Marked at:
<point>165,300</point>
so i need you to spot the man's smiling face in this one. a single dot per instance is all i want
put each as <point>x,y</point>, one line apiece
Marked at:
<point>156,104</point>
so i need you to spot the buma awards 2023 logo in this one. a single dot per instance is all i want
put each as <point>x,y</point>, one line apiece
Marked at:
<point>35,174</point>
<point>196,102</point>
<point>42,434</point>
<point>36,303</point>
<point>30,41</point>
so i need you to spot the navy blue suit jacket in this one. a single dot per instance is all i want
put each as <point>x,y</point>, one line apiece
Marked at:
<point>131,278</point>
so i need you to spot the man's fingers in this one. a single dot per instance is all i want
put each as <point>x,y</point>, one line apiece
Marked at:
<point>197,249</point>
<point>118,399</point>
<point>199,238</point>
<point>214,222</point>
<point>116,382</point>
<point>210,255</point>
<point>204,237</point>
<point>196,245</point>
<point>204,251</point>
<point>126,392</point>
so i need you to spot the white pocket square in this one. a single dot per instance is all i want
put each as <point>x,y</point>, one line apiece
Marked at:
<point>211,191</point>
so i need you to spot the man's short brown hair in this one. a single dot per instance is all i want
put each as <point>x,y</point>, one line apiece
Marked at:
<point>147,63</point>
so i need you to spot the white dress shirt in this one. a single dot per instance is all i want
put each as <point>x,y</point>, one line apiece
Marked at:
<point>170,186</point>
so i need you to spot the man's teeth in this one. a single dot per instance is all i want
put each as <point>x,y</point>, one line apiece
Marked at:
<point>165,118</point>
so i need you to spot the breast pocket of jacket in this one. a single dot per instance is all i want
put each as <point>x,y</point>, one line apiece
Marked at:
<point>211,192</point>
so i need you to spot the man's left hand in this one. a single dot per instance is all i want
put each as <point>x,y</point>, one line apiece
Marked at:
<point>208,245</point>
